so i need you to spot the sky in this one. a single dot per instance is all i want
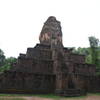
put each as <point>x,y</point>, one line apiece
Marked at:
<point>21,22</point>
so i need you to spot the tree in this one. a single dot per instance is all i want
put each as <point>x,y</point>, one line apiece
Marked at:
<point>82,51</point>
<point>7,63</point>
<point>94,45</point>
<point>94,42</point>
<point>10,60</point>
<point>2,58</point>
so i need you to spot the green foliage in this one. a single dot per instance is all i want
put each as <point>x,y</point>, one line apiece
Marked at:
<point>2,57</point>
<point>83,51</point>
<point>95,51</point>
<point>10,60</point>
<point>7,64</point>
<point>88,59</point>
<point>86,52</point>
<point>94,42</point>
<point>92,53</point>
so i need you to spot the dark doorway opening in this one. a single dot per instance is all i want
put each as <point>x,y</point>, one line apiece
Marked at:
<point>71,84</point>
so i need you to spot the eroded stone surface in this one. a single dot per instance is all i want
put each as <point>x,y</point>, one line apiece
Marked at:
<point>51,32</point>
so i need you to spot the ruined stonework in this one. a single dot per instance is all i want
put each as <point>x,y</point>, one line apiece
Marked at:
<point>51,32</point>
<point>49,67</point>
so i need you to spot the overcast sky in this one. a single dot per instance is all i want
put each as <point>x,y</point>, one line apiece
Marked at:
<point>21,22</point>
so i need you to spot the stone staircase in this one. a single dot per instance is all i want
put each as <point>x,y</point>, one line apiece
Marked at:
<point>70,92</point>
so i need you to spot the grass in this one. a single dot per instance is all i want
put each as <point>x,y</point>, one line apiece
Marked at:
<point>59,97</point>
<point>38,95</point>
<point>50,96</point>
<point>5,98</point>
<point>11,97</point>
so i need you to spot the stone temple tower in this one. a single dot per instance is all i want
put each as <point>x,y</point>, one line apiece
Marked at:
<point>51,33</point>
<point>49,67</point>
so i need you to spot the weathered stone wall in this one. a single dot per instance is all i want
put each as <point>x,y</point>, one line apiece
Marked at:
<point>84,69</point>
<point>27,82</point>
<point>94,84</point>
<point>37,53</point>
<point>34,65</point>
<point>76,58</point>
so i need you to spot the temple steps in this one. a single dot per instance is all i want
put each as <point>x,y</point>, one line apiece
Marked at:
<point>70,92</point>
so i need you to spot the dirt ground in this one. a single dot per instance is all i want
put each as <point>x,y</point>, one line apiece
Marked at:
<point>84,98</point>
<point>36,98</point>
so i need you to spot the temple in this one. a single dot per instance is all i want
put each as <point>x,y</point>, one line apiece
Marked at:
<point>49,67</point>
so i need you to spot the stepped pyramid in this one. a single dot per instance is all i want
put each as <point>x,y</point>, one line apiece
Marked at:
<point>49,67</point>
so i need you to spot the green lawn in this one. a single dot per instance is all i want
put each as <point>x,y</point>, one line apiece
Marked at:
<point>51,96</point>
<point>6,98</point>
